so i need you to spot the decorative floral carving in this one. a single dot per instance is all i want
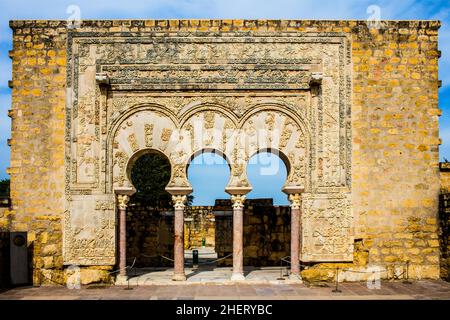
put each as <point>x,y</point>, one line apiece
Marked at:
<point>133,142</point>
<point>122,201</point>
<point>323,115</point>
<point>148,131</point>
<point>296,200</point>
<point>209,120</point>
<point>104,205</point>
<point>179,201</point>
<point>270,120</point>
<point>285,136</point>
<point>238,201</point>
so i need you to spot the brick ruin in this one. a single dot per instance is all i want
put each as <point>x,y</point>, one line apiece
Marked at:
<point>354,112</point>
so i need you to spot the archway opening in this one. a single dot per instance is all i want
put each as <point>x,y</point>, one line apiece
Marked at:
<point>266,213</point>
<point>150,212</point>
<point>206,228</point>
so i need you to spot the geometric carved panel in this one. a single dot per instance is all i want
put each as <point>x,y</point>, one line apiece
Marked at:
<point>90,231</point>
<point>236,81</point>
<point>327,233</point>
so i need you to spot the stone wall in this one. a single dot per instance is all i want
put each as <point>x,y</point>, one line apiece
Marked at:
<point>394,131</point>
<point>267,233</point>
<point>444,239</point>
<point>150,233</point>
<point>395,142</point>
<point>149,236</point>
<point>37,145</point>
<point>199,224</point>
<point>444,168</point>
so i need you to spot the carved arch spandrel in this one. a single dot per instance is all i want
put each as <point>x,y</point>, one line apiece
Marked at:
<point>281,131</point>
<point>141,128</point>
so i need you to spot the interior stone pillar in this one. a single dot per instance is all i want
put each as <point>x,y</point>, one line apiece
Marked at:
<point>295,200</point>
<point>179,204</point>
<point>122,203</point>
<point>238,243</point>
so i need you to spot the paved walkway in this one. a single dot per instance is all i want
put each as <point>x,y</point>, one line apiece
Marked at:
<point>212,275</point>
<point>357,291</point>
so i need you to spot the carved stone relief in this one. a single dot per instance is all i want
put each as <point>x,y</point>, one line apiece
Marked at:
<point>89,230</point>
<point>327,233</point>
<point>220,107</point>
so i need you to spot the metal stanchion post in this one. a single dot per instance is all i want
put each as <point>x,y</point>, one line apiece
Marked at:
<point>194,259</point>
<point>406,281</point>
<point>281,270</point>
<point>128,285</point>
<point>336,289</point>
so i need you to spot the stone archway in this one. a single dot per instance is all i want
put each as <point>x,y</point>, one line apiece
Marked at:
<point>149,224</point>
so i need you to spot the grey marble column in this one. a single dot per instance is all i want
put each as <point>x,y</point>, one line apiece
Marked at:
<point>238,231</point>
<point>179,204</point>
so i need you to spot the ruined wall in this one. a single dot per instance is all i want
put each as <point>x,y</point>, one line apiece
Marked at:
<point>445,176</point>
<point>149,236</point>
<point>199,224</point>
<point>267,233</point>
<point>395,143</point>
<point>37,144</point>
<point>444,232</point>
<point>444,220</point>
<point>150,233</point>
<point>395,140</point>
<point>394,135</point>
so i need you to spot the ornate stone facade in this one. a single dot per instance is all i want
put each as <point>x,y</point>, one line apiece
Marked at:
<point>189,106</point>
<point>352,112</point>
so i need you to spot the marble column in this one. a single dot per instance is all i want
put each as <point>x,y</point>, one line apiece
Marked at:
<point>238,243</point>
<point>179,204</point>
<point>295,200</point>
<point>122,202</point>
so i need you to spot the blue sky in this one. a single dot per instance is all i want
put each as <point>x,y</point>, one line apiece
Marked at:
<point>252,9</point>
<point>209,174</point>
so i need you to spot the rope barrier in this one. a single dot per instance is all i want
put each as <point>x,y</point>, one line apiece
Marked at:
<point>167,258</point>
<point>284,259</point>
<point>206,253</point>
<point>127,267</point>
<point>217,260</point>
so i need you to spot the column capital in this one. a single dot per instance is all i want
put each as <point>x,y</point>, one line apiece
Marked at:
<point>122,201</point>
<point>179,201</point>
<point>296,200</point>
<point>238,201</point>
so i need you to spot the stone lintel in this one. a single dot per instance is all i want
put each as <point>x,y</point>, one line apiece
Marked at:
<point>179,190</point>
<point>125,191</point>
<point>238,190</point>
<point>293,189</point>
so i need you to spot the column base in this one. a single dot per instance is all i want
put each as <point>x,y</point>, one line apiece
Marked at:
<point>121,280</point>
<point>296,277</point>
<point>179,277</point>
<point>237,276</point>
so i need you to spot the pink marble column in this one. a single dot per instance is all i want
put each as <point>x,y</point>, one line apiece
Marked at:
<point>295,200</point>
<point>122,205</point>
<point>238,243</point>
<point>179,204</point>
